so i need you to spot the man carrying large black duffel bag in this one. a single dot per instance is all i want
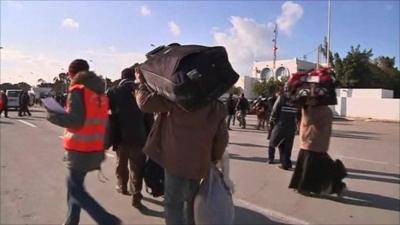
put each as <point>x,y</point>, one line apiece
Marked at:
<point>192,76</point>
<point>185,144</point>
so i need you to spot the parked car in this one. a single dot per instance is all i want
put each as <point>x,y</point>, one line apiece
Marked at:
<point>13,98</point>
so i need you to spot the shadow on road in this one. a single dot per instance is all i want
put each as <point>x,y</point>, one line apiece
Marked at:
<point>374,173</point>
<point>247,216</point>
<point>368,175</point>
<point>149,212</point>
<point>160,203</point>
<point>252,159</point>
<point>242,215</point>
<point>365,199</point>
<point>6,122</point>
<point>247,145</point>
<point>252,130</point>
<point>342,124</point>
<point>354,135</point>
<point>380,179</point>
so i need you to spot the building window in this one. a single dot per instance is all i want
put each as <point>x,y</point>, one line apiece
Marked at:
<point>282,72</point>
<point>266,73</point>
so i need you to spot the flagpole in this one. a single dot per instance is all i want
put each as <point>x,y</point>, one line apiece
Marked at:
<point>329,33</point>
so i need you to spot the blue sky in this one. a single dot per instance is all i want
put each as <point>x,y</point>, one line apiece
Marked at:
<point>40,38</point>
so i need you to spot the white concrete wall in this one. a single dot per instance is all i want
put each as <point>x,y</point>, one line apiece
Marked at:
<point>382,109</point>
<point>364,93</point>
<point>367,103</point>
<point>246,83</point>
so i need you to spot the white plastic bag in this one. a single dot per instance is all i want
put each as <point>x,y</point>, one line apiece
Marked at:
<point>213,203</point>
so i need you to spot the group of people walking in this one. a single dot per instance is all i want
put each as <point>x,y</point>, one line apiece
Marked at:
<point>23,99</point>
<point>237,109</point>
<point>315,171</point>
<point>138,124</point>
<point>142,124</point>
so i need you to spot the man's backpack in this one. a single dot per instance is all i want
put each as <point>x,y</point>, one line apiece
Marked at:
<point>154,178</point>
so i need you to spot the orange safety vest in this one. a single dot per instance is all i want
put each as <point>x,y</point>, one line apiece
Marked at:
<point>90,136</point>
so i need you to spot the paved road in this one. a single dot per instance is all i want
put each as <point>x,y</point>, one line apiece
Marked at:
<point>32,177</point>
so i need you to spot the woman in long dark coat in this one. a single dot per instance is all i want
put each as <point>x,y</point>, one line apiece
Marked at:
<point>315,171</point>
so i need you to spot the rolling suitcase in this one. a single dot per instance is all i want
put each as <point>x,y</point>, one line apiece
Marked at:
<point>190,75</point>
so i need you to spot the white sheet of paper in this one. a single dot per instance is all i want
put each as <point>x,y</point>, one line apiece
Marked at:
<point>51,105</point>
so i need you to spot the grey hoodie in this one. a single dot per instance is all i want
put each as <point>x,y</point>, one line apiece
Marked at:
<point>75,118</point>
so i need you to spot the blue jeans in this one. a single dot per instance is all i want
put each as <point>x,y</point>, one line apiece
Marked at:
<point>179,197</point>
<point>78,198</point>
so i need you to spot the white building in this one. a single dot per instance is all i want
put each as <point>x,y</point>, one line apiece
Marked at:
<point>264,70</point>
<point>246,84</point>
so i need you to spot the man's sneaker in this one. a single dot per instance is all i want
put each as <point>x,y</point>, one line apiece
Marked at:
<point>271,161</point>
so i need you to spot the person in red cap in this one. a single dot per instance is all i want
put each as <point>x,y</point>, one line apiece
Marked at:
<point>85,125</point>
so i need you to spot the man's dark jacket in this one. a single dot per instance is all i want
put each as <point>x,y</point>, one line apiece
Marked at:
<point>283,117</point>
<point>128,124</point>
<point>230,105</point>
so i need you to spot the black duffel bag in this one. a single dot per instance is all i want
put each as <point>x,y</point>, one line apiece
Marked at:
<point>190,75</point>
<point>153,177</point>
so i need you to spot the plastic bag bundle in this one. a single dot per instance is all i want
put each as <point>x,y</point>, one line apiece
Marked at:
<point>213,203</point>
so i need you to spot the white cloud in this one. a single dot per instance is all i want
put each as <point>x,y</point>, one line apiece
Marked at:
<point>70,23</point>
<point>247,41</point>
<point>291,13</point>
<point>112,48</point>
<point>174,28</point>
<point>111,63</point>
<point>21,65</point>
<point>14,4</point>
<point>145,11</point>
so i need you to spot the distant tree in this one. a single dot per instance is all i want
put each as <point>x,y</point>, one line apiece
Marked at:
<point>236,90</point>
<point>41,81</point>
<point>385,62</point>
<point>354,70</point>
<point>6,86</point>
<point>268,88</point>
<point>24,86</point>
<point>359,70</point>
<point>46,85</point>
<point>58,86</point>
<point>109,83</point>
<point>115,82</point>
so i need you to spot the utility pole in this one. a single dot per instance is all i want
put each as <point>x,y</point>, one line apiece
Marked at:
<point>318,51</point>
<point>329,33</point>
<point>275,40</point>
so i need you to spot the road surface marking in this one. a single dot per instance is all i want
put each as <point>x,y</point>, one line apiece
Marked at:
<point>27,123</point>
<point>367,160</point>
<point>271,213</point>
